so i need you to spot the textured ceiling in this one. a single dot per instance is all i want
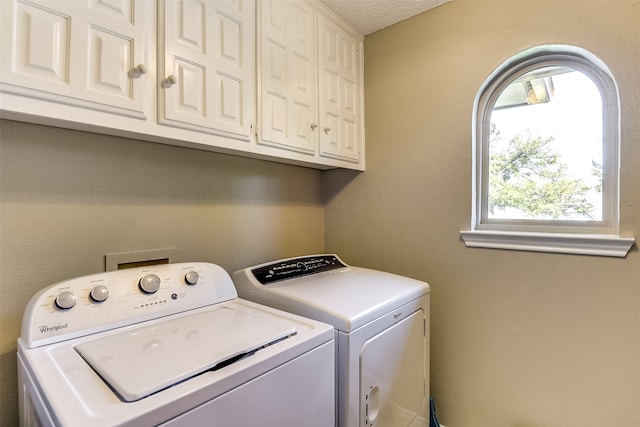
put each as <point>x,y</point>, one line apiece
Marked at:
<point>369,16</point>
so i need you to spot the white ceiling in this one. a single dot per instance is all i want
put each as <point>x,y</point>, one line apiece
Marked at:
<point>368,16</point>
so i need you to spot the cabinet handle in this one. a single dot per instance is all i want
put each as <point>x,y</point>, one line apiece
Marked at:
<point>141,69</point>
<point>314,126</point>
<point>170,81</point>
<point>327,129</point>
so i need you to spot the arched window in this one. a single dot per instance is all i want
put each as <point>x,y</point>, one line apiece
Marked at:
<point>546,155</point>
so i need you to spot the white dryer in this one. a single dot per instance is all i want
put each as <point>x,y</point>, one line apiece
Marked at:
<point>381,323</point>
<point>170,345</point>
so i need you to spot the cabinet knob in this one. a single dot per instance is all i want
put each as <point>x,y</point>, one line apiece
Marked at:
<point>170,81</point>
<point>314,126</point>
<point>141,69</point>
<point>327,129</point>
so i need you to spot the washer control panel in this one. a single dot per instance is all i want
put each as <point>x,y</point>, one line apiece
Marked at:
<point>295,267</point>
<point>103,301</point>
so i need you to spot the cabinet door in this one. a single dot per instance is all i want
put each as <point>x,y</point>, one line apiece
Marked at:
<point>88,54</point>
<point>288,90</point>
<point>207,75</point>
<point>340,86</point>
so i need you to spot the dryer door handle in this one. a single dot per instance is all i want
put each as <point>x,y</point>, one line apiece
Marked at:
<point>373,405</point>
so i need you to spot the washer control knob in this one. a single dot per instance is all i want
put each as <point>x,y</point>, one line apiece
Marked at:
<point>99,293</point>
<point>66,300</point>
<point>149,283</point>
<point>191,277</point>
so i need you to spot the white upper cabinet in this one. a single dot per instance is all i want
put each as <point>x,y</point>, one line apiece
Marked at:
<point>88,54</point>
<point>206,67</point>
<point>274,79</point>
<point>310,82</point>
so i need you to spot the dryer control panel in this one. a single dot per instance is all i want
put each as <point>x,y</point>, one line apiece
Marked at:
<point>103,301</point>
<point>296,267</point>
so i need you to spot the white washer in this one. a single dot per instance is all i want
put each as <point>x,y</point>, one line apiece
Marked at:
<point>381,323</point>
<point>170,345</point>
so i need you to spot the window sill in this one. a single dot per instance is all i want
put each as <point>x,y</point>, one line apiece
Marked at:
<point>583,244</point>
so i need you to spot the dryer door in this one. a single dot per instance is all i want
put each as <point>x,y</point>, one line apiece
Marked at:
<point>392,375</point>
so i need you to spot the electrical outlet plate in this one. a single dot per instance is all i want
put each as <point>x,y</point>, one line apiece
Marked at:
<point>120,261</point>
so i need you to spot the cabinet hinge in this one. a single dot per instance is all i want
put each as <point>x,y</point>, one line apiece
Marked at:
<point>254,129</point>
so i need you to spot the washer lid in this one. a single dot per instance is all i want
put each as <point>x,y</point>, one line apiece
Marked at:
<point>145,360</point>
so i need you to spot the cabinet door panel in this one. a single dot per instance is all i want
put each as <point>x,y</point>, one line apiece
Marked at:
<point>110,64</point>
<point>275,116</point>
<point>229,98</point>
<point>288,106</point>
<point>115,34</point>
<point>77,53</point>
<point>122,10</point>
<point>303,136</point>
<point>211,45</point>
<point>185,40</point>
<point>350,95</point>
<point>332,82</point>
<point>188,24</point>
<point>190,90</point>
<point>230,78</point>
<point>339,93</point>
<point>274,104</point>
<point>349,135</point>
<point>275,64</point>
<point>40,50</point>
<point>302,75</point>
<point>229,40</point>
<point>331,132</point>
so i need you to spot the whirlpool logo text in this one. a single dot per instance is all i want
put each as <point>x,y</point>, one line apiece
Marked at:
<point>45,329</point>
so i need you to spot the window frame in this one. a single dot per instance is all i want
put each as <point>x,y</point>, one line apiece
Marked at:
<point>583,237</point>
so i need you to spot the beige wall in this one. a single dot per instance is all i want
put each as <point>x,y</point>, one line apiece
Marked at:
<point>68,198</point>
<point>518,339</point>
